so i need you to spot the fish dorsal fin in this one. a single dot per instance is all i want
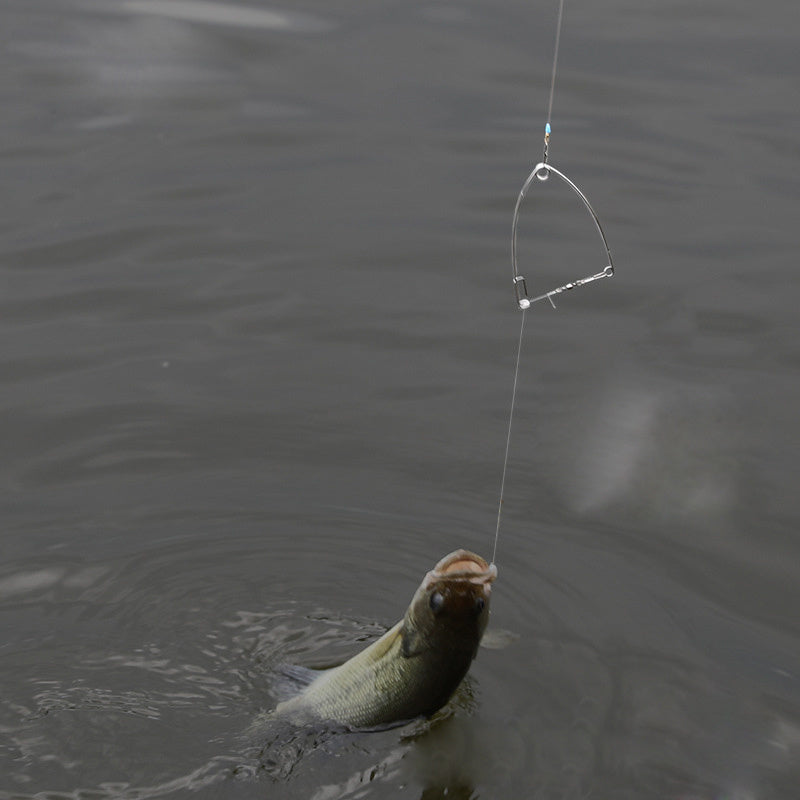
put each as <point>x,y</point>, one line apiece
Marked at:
<point>291,679</point>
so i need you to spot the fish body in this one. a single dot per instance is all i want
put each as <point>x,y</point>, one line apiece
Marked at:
<point>415,667</point>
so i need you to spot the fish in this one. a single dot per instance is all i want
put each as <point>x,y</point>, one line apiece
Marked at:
<point>416,666</point>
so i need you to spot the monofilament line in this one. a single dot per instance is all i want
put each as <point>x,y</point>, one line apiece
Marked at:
<point>555,60</point>
<point>508,438</point>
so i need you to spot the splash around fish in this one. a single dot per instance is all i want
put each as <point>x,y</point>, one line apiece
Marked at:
<point>416,666</point>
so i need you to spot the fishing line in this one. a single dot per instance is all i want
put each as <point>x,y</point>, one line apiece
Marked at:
<point>542,171</point>
<point>553,76</point>
<point>508,439</point>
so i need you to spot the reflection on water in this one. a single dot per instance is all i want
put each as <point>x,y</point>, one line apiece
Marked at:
<point>257,347</point>
<point>225,14</point>
<point>658,448</point>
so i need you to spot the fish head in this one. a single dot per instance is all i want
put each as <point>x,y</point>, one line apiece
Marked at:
<point>450,609</point>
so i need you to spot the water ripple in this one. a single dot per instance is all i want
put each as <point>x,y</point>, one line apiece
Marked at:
<point>228,14</point>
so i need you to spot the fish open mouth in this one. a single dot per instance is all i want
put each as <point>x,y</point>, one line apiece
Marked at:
<point>466,566</point>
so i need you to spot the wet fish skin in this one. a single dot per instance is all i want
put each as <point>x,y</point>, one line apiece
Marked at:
<point>415,667</point>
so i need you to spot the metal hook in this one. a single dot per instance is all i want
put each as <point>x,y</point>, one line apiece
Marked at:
<point>542,171</point>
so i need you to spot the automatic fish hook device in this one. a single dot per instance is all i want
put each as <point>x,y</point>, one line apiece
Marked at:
<point>542,172</point>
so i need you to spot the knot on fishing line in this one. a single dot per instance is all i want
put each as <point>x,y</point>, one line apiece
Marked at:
<point>543,174</point>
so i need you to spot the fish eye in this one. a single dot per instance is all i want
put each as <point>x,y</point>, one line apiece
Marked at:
<point>480,604</point>
<point>436,602</point>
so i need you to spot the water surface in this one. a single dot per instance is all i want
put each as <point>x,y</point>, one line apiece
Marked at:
<point>258,335</point>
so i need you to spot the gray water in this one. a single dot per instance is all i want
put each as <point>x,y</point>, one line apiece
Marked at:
<point>257,337</point>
